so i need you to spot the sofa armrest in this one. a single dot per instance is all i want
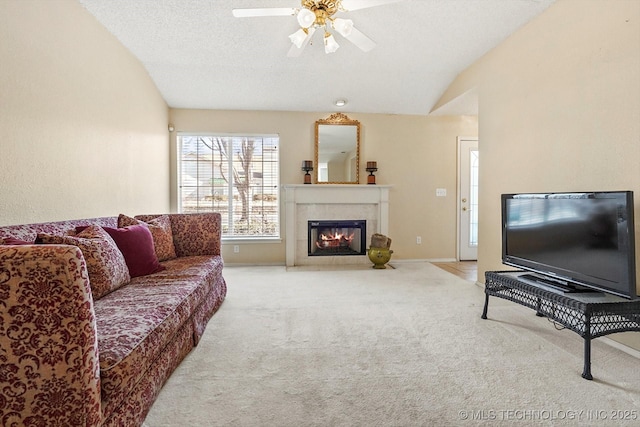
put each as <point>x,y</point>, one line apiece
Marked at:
<point>196,234</point>
<point>49,368</point>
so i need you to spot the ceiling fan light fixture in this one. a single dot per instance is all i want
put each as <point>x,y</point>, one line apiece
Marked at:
<point>330,43</point>
<point>306,18</point>
<point>299,37</point>
<point>343,26</point>
<point>315,15</point>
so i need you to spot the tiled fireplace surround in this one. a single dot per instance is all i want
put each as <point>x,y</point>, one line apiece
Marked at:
<point>305,203</point>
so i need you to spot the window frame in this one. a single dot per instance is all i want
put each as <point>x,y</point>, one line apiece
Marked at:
<point>276,237</point>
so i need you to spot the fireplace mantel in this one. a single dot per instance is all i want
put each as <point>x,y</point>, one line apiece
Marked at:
<point>327,202</point>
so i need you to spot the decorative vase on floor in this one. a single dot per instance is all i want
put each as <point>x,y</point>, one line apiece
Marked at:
<point>379,256</point>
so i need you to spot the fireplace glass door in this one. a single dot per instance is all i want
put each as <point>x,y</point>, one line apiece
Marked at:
<point>337,238</point>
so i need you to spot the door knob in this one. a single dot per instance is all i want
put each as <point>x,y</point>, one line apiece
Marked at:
<point>464,208</point>
<point>464,200</point>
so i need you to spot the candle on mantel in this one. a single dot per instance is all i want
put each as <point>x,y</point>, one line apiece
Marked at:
<point>371,168</point>
<point>307,164</point>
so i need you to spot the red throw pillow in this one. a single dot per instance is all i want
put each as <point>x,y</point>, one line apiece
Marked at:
<point>136,244</point>
<point>160,228</point>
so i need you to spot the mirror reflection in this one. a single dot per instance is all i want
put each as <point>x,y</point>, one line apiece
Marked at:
<point>337,154</point>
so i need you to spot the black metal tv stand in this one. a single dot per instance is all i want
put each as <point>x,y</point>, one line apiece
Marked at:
<point>589,314</point>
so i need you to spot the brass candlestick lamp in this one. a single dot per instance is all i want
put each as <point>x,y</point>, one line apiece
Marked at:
<point>307,166</point>
<point>371,168</point>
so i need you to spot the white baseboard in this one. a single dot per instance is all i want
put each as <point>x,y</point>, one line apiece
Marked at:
<point>624,348</point>
<point>253,264</point>
<point>393,261</point>
<point>416,260</point>
<point>406,261</point>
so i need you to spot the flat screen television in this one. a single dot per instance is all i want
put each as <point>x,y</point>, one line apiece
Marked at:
<point>578,241</point>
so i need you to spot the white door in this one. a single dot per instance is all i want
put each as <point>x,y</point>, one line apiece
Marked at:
<point>468,199</point>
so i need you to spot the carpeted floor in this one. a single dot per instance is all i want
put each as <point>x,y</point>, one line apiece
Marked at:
<point>394,347</point>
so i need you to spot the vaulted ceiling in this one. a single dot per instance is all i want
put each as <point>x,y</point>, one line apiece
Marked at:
<point>200,56</point>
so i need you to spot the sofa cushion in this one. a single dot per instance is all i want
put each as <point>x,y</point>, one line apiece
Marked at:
<point>136,323</point>
<point>105,263</point>
<point>29,232</point>
<point>14,241</point>
<point>160,228</point>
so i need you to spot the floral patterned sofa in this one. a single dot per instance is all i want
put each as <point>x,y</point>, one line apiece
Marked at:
<point>88,341</point>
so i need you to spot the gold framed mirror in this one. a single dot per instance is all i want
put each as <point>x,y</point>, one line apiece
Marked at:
<point>337,150</point>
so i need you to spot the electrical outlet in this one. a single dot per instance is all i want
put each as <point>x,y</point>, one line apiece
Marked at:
<point>418,240</point>
<point>236,249</point>
<point>441,192</point>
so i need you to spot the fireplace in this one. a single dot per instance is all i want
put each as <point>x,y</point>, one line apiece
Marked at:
<point>332,202</point>
<point>337,238</point>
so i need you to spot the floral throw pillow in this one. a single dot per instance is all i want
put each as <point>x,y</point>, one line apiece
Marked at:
<point>105,264</point>
<point>161,232</point>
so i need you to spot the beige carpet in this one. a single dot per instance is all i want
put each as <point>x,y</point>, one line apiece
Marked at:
<point>395,347</point>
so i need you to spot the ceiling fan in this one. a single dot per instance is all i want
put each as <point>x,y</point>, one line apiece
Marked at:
<point>320,14</point>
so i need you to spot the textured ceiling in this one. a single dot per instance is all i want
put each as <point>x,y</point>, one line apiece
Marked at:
<point>200,56</point>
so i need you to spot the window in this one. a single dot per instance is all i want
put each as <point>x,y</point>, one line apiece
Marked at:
<point>234,175</point>
<point>473,198</point>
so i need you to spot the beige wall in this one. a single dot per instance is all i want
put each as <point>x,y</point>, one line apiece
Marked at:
<point>84,129</point>
<point>415,154</point>
<point>559,110</point>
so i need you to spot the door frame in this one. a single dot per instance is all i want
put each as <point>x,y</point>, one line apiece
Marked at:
<point>460,140</point>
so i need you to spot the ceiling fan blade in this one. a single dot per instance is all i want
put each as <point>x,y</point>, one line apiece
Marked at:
<point>363,42</point>
<point>296,51</point>
<point>350,5</point>
<point>272,11</point>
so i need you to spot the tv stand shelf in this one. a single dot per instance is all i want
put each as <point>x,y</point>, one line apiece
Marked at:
<point>590,315</point>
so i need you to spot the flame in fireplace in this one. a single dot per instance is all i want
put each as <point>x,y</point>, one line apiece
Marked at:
<point>334,240</point>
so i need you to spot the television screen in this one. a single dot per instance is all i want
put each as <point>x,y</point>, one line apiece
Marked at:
<point>580,238</point>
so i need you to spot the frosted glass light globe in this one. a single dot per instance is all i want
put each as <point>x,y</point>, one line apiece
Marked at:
<point>306,18</point>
